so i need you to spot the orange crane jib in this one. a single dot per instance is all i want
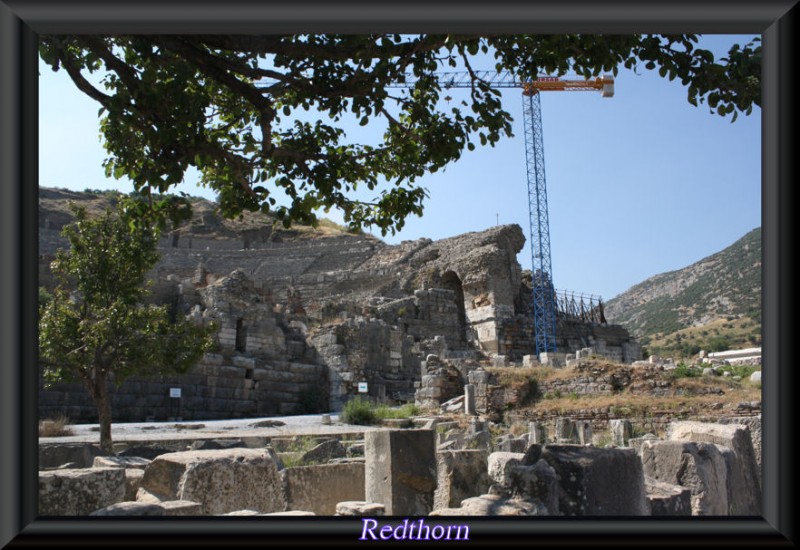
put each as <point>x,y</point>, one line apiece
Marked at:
<point>604,84</point>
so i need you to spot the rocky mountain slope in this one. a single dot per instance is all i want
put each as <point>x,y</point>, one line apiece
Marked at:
<point>715,302</point>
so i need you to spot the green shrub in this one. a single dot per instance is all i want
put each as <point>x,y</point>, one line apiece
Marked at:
<point>358,411</point>
<point>406,411</point>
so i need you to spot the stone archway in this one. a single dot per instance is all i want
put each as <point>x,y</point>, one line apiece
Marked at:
<point>451,281</point>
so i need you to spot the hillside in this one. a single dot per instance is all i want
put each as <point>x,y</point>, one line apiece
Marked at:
<point>712,304</point>
<point>54,213</point>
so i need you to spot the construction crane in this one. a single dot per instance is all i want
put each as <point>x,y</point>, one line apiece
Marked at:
<point>544,298</point>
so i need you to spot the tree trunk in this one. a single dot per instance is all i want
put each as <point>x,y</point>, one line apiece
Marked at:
<point>103,402</point>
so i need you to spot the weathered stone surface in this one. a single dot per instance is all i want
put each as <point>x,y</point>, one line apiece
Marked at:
<point>78,492</point>
<point>359,508</point>
<point>667,499</point>
<point>324,452</point>
<point>220,480</point>
<point>595,481</point>
<point>744,489</point>
<point>144,452</point>
<point>621,431</point>
<point>133,480</point>
<point>321,487</point>
<point>700,467</point>
<point>493,505</point>
<point>500,465</point>
<point>120,462</point>
<point>216,444</point>
<point>528,478</point>
<point>81,455</point>
<point>401,470</point>
<point>461,474</point>
<point>636,443</point>
<point>131,509</point>
<point>181,508</point>
<point>754,423</point>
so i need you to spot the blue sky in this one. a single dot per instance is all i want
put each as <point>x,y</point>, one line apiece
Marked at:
<point>638,184</point>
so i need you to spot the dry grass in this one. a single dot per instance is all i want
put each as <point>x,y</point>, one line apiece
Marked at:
<point>625,404</point>
<point>55,427</point>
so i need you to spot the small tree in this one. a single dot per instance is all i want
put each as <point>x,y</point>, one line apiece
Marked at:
<point>96,327</point>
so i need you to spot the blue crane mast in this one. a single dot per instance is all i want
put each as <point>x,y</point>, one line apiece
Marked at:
<point>544,298</point>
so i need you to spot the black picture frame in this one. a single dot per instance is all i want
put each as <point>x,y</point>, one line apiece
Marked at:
<point>22,21</point>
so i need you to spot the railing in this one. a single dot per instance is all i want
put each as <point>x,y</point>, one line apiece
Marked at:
<point>580,306</point>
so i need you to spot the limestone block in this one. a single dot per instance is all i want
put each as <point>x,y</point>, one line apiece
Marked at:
<point>754,423</point>
<point>120,462</point>
<point>667,499</point>
<point>460,474</point>
<point>494,505</point>
<point>700,467</point>
<point>401,470</point>
<point>324,452</point>
<point>130,509</point>
<point>78,492</point>
<point>744,489</point>
<point>595,481</point>
<point>133,480</point>
<point>81,455</point>
<point>637,443</point>
<point>360,508</point>
<point>320,488</point>
<point>621,431</point>
<point>500,465</point>
<point>565,430</point>
<point>221,481</point>
<point>181,508</point>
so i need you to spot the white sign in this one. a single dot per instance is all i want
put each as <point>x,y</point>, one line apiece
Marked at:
<point>174,392</point>
<point>362,387</point>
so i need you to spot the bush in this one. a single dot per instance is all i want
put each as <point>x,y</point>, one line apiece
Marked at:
<point>55,427</point>
<point>358,411</point>
<point>406,411</point>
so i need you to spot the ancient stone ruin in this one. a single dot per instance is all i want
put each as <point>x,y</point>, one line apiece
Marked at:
<point>441,467</point>
<point>305,317</point>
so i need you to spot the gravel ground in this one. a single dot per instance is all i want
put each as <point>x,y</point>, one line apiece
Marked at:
<point>210,429</point>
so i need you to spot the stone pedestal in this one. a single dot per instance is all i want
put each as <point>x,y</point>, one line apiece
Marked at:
<point>401,470</point>
<point>469,400</point>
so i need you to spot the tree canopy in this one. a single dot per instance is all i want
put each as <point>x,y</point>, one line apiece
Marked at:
<point>228,105</point>
<point>95,326</point>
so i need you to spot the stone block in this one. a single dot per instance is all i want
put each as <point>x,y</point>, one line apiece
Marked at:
<point>120,462</point>
<point>494,505</point>
<point>79,492</point>
<point>324,452</point>
<point>320,488</point>
<point>667,499</point>
<point>133,480</point>
<point>401,470</point>
<point>621,431</point>
<point>460,474</point>
<point>175,508</point>
<point>469,400</point>
<point>565,430</point>
<point>360,508</point>
<point>81,455</point>
<point>220,480</point>
<point>744,489</point>
<point>130,509</point>
<point>500,465</point>
<point>700,467</point>
<point>595,481</point>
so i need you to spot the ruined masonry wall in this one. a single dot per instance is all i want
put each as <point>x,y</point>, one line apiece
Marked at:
<point>216,388</point>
